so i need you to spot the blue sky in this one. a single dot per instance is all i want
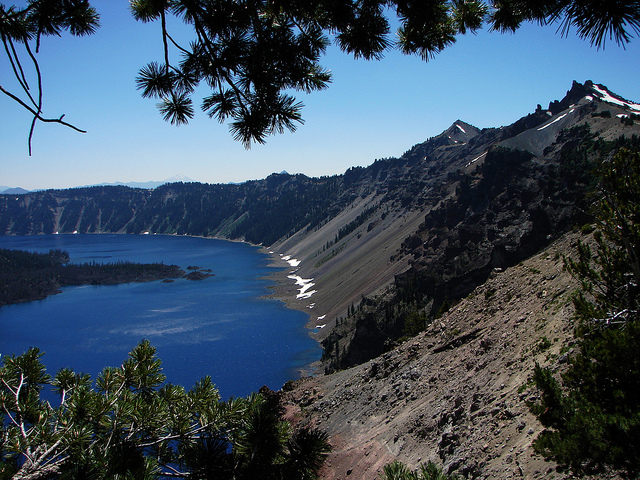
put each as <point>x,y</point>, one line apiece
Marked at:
<point>371,110</point>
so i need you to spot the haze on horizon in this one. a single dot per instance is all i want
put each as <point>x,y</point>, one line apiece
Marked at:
<point>371,110</point>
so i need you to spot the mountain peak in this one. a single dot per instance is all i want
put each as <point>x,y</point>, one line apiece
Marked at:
<point>178,178</point>
<point>589,91</point>
<point>464,128</point>
<point>13,191</point>
<point>458,133</point>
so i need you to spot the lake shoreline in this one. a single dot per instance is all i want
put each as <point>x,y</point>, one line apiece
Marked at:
<point>283,288</point>
<point>276,332</point>
<point>30,276</point>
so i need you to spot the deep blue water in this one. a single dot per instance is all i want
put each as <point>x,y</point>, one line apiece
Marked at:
<point>218,326</point>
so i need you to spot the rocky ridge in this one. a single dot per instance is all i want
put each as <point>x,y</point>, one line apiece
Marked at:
<point>358,233</point>
<point>506,194</point>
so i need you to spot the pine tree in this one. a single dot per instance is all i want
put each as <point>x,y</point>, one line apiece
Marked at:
<point>427,471</point>
<point>592,415</point>
<point>133,425</point>
<point>251,56</point>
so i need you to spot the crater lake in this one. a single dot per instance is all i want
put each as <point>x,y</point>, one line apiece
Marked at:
<point>222,326</point>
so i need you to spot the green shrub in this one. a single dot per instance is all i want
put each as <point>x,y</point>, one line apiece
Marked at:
<point>428,471</point>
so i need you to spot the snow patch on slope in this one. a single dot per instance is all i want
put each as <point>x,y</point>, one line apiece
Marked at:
<point>476,159</point>
<point>554,121</point>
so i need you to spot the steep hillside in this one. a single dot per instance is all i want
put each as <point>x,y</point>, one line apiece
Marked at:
<point>375,253</point>
<point>495,206</point>
<point>456,393</point>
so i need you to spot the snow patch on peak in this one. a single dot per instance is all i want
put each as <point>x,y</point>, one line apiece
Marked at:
<point>178,178</point>
<point>461,129</point>
<point>606,96</point>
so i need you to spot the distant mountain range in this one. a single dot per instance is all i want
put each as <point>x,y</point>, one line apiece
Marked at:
<point>12,190</point>
<point>146,185</point>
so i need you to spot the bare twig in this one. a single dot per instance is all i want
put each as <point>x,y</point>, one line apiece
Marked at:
<point>37,115</point>
<point>176,44</point>
<point>610,320</point>
<point>39,104</point>
<point>16,66</point>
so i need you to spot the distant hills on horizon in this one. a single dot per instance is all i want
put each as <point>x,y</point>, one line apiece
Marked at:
<point>13,190</point>
<point>4,190</point>
<point>147,185</point>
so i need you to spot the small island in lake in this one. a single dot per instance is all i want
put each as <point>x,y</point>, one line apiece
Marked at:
<point>198,273</point>
<point>27,276</point>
